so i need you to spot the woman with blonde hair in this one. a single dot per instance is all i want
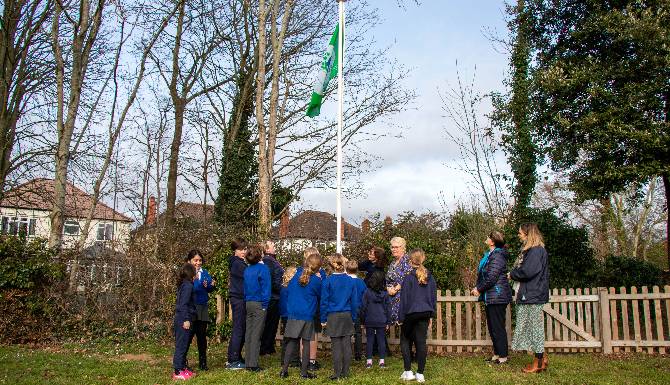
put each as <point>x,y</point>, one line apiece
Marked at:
<point>397,271</point>
<point>531,276</point>
<point>418,301</point>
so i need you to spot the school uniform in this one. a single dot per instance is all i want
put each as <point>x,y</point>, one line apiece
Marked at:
<point>184,311</point>
<point>237,266</point>
<point>339,305</point>
<point>360,288</point>
<point>269,336</point>
<point>301,305</point>
<point>417,306</point>
<point>202,286</point>
<point>374,315</point>
<point>257,289</point>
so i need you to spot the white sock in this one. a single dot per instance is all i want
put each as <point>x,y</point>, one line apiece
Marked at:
<point>501,359</point>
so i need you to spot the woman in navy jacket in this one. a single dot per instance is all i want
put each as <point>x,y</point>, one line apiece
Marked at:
<point>531,273</point>
<point>494,290</point>
<point>202,286</point>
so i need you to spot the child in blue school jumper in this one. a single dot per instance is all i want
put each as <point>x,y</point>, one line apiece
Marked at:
<point>361,287</point>
<point>374,316</point>
<point>289,273</point>
<point>304,291</point>
<point>339,305</point>
<point>418,300</point>
<point>184,315</point>
<point>257,290</point>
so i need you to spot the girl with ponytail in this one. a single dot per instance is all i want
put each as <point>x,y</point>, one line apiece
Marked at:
<point>418,300</point>
<point>304,291</point>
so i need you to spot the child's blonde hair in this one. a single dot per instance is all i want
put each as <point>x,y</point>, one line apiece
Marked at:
<point>416,258</point>
<point>309,251</point>
<point>337,262</point>
<point>311,266</point>
<point>288,275</point>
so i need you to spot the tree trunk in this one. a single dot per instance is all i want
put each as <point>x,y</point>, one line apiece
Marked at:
<point>263,172</point>
<point>179,107</point>
<point>666,184</point>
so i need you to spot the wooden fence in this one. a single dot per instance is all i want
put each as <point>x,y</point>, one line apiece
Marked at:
<point>576,320</point>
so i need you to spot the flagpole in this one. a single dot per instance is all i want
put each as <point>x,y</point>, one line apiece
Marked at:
<point>340,95</point>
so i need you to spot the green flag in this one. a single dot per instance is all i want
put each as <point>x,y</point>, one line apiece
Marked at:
<point>328,71</point>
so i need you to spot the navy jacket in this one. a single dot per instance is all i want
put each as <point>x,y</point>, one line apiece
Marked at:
<point>492,282</point>
<point>368,267</point>
<point>276,274</point>
<point>375,308</point>
<point>236,267</point>
<point>257,284</point>
<point>533,274</point>
<point>185,309</point>
<point>201,292</point>
<point>303,300</point>
<point>338,294</point>
<point>417,298</point>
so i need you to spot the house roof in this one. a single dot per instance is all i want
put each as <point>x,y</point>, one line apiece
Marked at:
<point>38,194</point>
<point>318,225</point>
<point>197,211</point>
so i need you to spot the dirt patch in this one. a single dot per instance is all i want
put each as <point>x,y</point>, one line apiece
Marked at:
<point>144,357</point>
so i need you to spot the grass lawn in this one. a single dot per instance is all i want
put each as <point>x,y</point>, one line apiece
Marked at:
<point>106,363</point>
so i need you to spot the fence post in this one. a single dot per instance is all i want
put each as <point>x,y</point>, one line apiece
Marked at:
<point>605,320</point>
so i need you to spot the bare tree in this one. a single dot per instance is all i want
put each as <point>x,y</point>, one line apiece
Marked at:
<point>26,64</point>
<point>84,19</point>
<point>477,146</point>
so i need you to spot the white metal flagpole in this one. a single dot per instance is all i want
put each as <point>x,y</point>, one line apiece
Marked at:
<point>340,95</point>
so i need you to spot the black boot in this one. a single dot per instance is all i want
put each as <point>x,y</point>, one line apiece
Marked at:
<point>203,364</point>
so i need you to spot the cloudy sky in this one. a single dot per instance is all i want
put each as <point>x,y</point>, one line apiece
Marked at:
<point>419,171</point>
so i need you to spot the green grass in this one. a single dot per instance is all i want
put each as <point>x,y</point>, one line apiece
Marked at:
<point>149,363</point>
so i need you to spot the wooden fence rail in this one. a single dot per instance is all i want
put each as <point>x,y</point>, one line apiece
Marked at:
<point>576,320</point>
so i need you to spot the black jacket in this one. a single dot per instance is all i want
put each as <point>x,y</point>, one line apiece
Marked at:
<point>533,274</point>
<point>185,307</point>
<point>492,282</point>
<point>276,274</point>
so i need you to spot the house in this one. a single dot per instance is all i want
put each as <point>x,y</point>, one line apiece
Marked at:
<point>312,228</point>
<point>26,210</point>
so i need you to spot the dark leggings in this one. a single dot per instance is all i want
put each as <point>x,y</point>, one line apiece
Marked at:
<point>414,330</point>
<point>292,346</point>
<point>200,333</point>
<point>375,336</point>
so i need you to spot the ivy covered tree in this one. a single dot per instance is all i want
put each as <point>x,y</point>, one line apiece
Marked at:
<point>600,91</point>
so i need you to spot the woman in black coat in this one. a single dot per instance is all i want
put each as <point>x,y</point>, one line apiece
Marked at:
<point>494,290</point>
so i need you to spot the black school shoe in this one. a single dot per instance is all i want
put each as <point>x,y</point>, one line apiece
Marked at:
<point>308,375</point>
<point>254,369</point>
<point>283,374</point>
<point>314,366</point>
<point>333,378</point>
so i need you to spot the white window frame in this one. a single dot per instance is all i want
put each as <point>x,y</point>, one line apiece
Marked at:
<point>105,227</point>
<point>70,223</point>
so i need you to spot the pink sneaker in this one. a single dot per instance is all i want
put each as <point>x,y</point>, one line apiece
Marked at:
<point>189,372</point>
<point>182,375</point>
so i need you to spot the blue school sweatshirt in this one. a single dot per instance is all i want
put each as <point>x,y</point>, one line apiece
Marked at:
<point>185,307</point>
<point>360,286</point>
<point>338,294</point>
<point>236,267</point>
<point>201,292</point>
<point>257,284</point>
<point>303,300</point>
<point>375,309</point>
<point>283,299</point>
<point>417,298</point>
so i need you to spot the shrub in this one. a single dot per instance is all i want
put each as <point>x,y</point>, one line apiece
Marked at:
<point>625,271</point>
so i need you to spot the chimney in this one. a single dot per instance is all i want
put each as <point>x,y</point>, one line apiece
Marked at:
<point>283,224</point>
<point>151,212</point>
<point>388,225</point>
<point>365,226</point>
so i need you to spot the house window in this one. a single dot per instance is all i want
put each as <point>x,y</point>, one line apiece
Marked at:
<point>71,228</point>
<point>18,226</point>
<point>105,232</point>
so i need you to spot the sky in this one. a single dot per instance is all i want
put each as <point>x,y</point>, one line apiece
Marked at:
<point>419,172</point>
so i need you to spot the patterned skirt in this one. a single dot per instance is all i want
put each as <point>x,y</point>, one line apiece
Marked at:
<point>529,330</point>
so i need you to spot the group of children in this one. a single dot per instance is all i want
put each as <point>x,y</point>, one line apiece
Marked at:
<point>322,294</point>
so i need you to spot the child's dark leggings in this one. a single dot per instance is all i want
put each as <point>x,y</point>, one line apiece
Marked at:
<point>414,330</point>
<point>182,339</point>
<point>375,336</point>
<point>292,346</point>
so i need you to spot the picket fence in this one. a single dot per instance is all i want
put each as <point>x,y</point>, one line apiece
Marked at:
<point>576,320</point>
